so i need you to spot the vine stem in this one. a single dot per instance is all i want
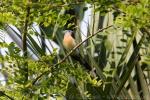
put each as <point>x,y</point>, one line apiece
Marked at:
<point>68,54</point>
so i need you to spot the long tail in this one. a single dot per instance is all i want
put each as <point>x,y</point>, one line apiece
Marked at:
<point>82,61</point>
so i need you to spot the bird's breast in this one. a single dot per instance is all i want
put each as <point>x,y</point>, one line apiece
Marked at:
<point>69,42</point>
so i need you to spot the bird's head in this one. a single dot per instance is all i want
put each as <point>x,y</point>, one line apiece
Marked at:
<point>68,40</point>
<point>69,32</point>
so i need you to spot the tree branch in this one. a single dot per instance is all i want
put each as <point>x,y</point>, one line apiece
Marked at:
<point>3,94</point>
<point>68,54</point>
<point>24,36</point>
<point>24,39</point>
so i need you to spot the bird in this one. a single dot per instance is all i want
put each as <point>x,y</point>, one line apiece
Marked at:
<point>69,43</point>
<point>68,40</point>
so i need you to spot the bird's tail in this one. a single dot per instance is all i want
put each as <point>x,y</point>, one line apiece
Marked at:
<point>82,61</point>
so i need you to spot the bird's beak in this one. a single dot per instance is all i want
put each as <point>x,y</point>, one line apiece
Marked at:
<point>63,32</point>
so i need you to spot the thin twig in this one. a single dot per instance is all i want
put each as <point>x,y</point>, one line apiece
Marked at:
<point>68,54</point>
<point>78,45</point>
<point>50,4</point>
<point>3,94</point>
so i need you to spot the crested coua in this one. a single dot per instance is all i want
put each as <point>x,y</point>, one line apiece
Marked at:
<point>69,43</point>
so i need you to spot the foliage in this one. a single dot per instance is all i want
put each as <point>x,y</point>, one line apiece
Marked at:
<point>119,55</point>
